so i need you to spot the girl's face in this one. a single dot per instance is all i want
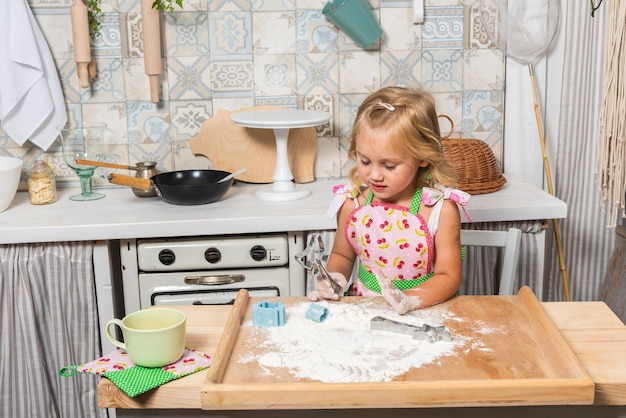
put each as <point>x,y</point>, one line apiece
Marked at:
<point>389,174</point>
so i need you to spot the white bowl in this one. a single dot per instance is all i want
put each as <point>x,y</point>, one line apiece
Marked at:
<point>10,172</point>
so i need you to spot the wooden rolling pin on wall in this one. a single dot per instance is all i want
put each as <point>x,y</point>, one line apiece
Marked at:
<point>151,46</point>
<point>80,35</point>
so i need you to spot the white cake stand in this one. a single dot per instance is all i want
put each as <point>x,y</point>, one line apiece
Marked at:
<point>281,121</point>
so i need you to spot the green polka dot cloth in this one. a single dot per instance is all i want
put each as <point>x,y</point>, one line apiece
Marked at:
<point>134,380</point>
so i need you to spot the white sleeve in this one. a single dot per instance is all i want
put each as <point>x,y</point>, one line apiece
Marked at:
<point>433,219</point>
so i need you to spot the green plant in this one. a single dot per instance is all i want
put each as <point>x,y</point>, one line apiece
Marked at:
<point>166,5</point>
<point>94,11</point>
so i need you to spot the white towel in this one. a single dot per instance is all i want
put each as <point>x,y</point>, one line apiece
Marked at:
<point>32,106</point>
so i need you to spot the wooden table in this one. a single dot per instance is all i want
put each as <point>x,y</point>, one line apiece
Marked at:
<point>593,331</point>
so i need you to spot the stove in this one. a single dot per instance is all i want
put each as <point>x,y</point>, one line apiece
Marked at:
<point>209,269</point>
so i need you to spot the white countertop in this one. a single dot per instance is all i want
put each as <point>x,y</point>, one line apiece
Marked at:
<point>121,214</point>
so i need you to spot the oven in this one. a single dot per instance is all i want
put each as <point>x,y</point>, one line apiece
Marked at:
<point>209,270</point>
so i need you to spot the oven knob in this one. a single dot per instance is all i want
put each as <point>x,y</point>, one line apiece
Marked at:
<point>167,257</point>
<point>258,252</point>
<point>212,255</point>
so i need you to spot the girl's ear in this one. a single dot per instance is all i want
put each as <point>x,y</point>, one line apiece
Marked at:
<point>423,163</point>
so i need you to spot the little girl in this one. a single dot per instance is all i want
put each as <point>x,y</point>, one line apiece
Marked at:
<point>400,215</point>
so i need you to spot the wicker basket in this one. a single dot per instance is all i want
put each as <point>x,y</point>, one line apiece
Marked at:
<point>473,162</point>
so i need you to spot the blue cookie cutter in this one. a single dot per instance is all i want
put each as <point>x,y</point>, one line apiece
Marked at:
<point>316,313</point>
<point>268,314</point>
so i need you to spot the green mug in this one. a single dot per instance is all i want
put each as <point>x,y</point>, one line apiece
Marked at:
<point>355,19</point>
<point>153,337</point>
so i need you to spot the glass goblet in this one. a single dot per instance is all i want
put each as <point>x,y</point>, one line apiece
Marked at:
<point>83,143</point>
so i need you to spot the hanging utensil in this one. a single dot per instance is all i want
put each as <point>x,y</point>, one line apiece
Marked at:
<point>80,35</point>
<point>151,21</point>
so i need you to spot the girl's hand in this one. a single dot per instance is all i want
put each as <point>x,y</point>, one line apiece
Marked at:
<point>398,300</point>
<point>323,289</point>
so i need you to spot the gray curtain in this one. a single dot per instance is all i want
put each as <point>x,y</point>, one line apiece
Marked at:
<point>587,242</point>
<point>49,321</point>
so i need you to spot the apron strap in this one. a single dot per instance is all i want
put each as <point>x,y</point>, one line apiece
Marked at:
<point>415,203</point>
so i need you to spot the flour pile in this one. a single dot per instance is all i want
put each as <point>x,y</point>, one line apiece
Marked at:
<point>343,348</point>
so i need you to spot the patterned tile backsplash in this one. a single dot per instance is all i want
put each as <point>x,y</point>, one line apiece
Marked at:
<point>242,53</point>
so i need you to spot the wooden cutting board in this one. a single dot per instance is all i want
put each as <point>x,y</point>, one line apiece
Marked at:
<point>524,361</point>
<point>231,147</point>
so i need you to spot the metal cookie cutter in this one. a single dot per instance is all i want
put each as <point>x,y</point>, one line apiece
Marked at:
<point>424,332</point>
<point>311,259</point>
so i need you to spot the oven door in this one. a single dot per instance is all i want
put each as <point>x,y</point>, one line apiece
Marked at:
<point>210,287</point>
<point>208,297</point>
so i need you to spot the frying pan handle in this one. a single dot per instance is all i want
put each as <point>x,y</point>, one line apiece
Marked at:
<point>215,280</point>
<point>123,180</point>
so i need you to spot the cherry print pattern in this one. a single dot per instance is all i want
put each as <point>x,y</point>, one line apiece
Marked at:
<point>400,242</point>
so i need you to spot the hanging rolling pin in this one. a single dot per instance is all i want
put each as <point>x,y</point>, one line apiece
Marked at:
<point>80,35</point>
<point>151,46</point>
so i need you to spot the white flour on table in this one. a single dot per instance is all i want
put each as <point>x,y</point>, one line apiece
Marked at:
<point>343,348</point>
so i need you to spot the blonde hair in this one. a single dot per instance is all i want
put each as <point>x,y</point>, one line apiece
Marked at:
<point>409,119</point>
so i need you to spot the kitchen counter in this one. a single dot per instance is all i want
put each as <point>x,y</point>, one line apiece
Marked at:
<point>596,336</point>
<point>123,215</point>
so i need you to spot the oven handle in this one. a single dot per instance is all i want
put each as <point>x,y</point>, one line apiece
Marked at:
<point>215,280</point>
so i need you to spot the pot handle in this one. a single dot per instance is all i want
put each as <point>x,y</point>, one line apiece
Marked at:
<point>123,180</point>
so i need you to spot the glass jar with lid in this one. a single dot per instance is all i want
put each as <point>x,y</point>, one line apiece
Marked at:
<point>42,188</point>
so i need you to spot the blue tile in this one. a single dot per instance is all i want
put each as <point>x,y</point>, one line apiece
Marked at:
<point>186,34</point>
<point>442,70</point>
<point>187,117</point>
<point>317,73</point>
<point>314,33</point>
<point>108,41</point>
<point>108,85</point>
<point>442,28</point>
<point>146,122</point>
<point>231,33</point>
<point>232,76</point>
<point>189,77</point>
<point>401,68</point>
<point>482,111</point>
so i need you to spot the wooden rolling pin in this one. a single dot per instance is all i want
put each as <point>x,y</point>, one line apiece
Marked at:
<point>80,35</point>
<point>151,46</point>
<point>227,341</point>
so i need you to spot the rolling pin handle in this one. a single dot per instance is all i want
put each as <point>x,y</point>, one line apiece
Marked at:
<point>154,88</point>
<point>83,74</point>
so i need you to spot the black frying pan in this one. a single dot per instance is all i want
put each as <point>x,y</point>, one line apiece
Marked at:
<point>185,187</point>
